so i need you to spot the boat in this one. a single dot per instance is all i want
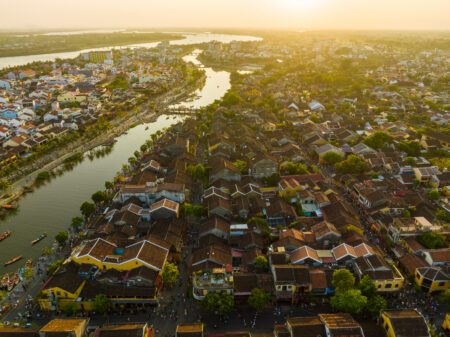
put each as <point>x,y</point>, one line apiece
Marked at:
<point>9,206</point>
<point>40,238</point>
<point>14,259</point>
<point>5,235</point>
<point>146,128</point>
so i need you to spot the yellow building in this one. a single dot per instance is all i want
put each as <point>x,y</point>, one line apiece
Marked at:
<point>66,327</point>
<point>71,97</point>
<point>387,277</point>
<point>106,255</point>
<point>432,279</point>
<point>401,323</point>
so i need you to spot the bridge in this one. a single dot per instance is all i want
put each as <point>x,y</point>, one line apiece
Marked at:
<point>180,110</point>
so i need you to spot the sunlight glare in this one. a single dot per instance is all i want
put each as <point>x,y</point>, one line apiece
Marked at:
<point>300,4</point>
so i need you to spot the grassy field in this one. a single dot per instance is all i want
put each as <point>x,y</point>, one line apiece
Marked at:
<point>31,44</point>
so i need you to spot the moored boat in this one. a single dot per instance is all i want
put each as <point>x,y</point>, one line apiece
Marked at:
<point>9,206</point>
<point>13,260</point>
<point>5,235</point>
<point>38,239</point>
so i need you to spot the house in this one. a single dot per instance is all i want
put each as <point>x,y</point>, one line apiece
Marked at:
<point>321,151</point>
<point>431,279</point>
<point>341,324</point>
<point>73,327</point>
<point>223,169</point>
<point>291,281</point>
<point>425,174</point>
<point>219,206</point>
<point>387,278</point>
<point>401,228</point>
<point>443,139</point>
<point>404,323</point>
<point>437,257</point>
<point>107,255</point>
<point>345,253</point>
<point>5,85</point>
<point>189,330</point>
<point>210,257</point>
<point>305,255</point>
<point>216,226</point>
<point>326,233</point>
<point>305,327</point>
<point>263,166</point>
<point>15,331</point>
<point>125,330</point>
<point>164,209</point>
<point>216,280</point>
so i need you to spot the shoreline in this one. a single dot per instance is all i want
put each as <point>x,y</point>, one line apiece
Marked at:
<point>18,188</point>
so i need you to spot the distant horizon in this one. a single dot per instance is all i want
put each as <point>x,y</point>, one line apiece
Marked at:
<point>390,15</point>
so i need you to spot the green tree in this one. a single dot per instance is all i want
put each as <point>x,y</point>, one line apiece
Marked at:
<point>144,147</point>
<point>444,298</point>
<point>218,303</point>
<point>62,238</point>
<point>101,303</point>
<point>331,158</point>
<point>170,274</point>
<point>343,280</point>
<point>87,209</point>
<point>352,165</point>
<point>99,197</point>
<point>378,140</point>
<point>4,184</point>
<point>198,172</point>
<point>77,223</point>
<point>47,251</point>
<point>70,309</point>
<point>258,299</point>
<point>375,305</point>
<point>432,240</point>
<point>231,98</point>
<point>261,262</point>
<point>53,267</point>
<point>434,195</point>
<point>350,301</point>
<point>291,168</point>
<point>188,209</point>
<point>241,165</point>
<point>443,215</point>
<point>367,286</point>
<point>109,185</point>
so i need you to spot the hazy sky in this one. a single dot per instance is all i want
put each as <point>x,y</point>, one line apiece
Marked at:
<point>321,14</point>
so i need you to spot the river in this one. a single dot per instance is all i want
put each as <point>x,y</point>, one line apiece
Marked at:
<point>51,207</point>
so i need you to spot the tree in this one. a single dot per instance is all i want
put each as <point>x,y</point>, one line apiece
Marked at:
<point>378,140</point>
<point>331,158</point>
<point>218,303</point>
<point>52,268</point>
<point>101,303</point>
<point>261,262</point>
<point>434,195</point>
<point>432,240</point>
<point>198,172</point>
<point>188,209</point>
<point>77,223</point>
<point>4,184</point>
<point>291,168</point>
<point>109,185</point>
<point>70,309</point>
<point>352,165</point>
<point>444,298</point>
<point>170,274</point>
<point>62,238</point>
<point>87,208</point>
<point>241,165</point>
<point>231,98</point>
<point>343,280</point>
<point>144,147</point>
<point>258,299</point>
<point>99,197</point>
<point>367,286</point>
<point>376,304</point>
<point>443,215</point>
<point>350,301</point>
<point>47,251</point>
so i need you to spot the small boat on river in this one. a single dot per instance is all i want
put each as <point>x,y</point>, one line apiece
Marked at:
<point>38,239</point>
<point>13,260</point>
<point>5,235</point>
<point>9,206</point>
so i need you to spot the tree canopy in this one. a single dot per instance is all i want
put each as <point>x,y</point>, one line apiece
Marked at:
<point>432,240</point>
<point>218,303</point>
<point>170,274</point>
<point>62,238</point>
<point>101,303</point>
<point>378,140</point>
<point>258,299</point>
<point>352,165</point>
<point>343,280</point>
<point>350,301</point>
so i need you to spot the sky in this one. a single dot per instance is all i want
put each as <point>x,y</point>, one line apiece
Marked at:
<point>290,14</point>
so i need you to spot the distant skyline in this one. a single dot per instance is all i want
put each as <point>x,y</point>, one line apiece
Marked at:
<point>285,14</point>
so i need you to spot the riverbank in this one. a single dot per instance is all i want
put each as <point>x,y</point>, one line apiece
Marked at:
<point>119,126</point>
<point>38,44</point>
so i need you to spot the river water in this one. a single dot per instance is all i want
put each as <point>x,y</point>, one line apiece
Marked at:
<point>51,207</point>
